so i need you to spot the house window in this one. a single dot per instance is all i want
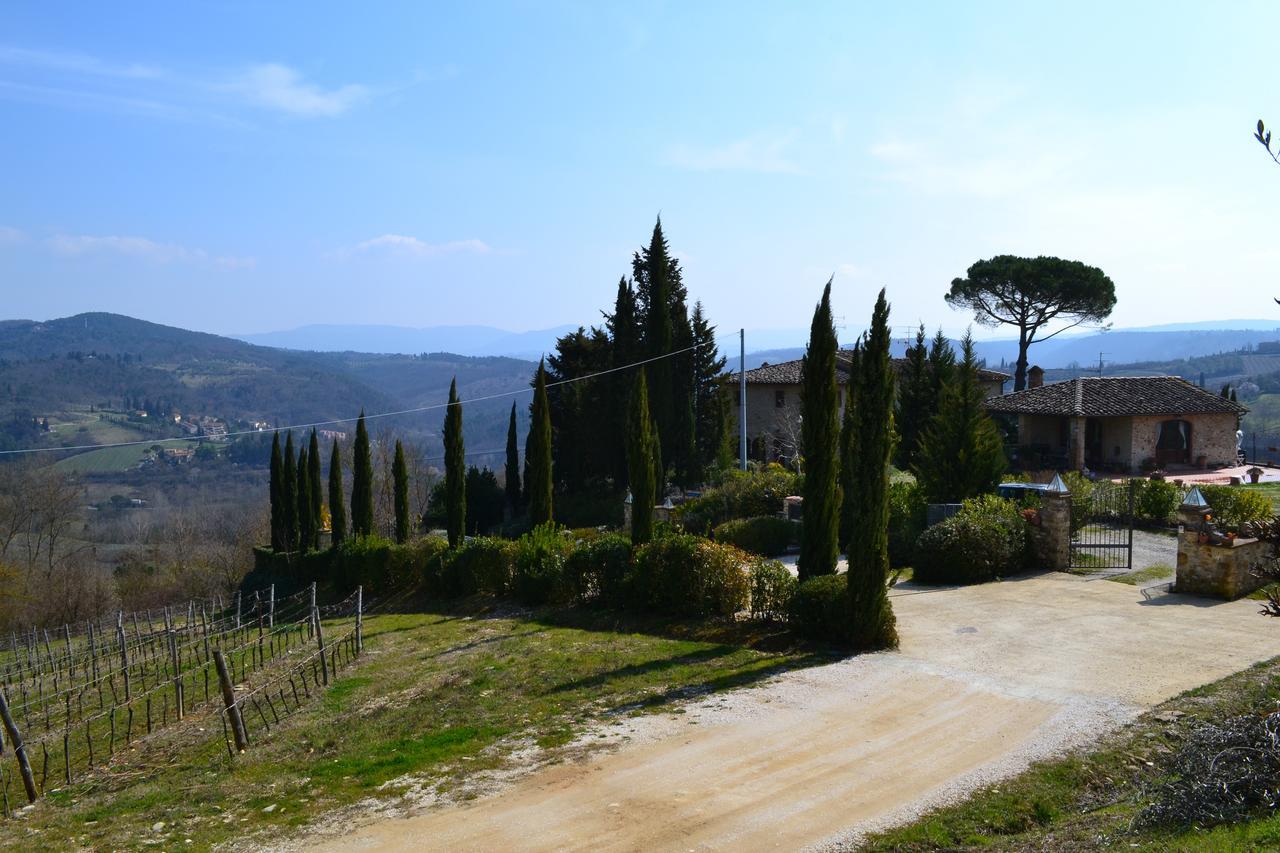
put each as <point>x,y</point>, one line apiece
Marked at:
<point>779,398</point>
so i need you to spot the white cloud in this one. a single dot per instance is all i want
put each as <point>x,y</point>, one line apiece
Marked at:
<point>77,63</point>
<point>757,153</point>
<point>76,245</point>
<point>851,271</point>
<point>402,244</point>
<point>11,236</point>
<point>280,87</point>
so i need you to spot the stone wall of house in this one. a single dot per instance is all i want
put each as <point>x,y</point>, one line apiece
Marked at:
<point>1040,429</point>
<point>1213,436</point>
<point>1117,441</point>
<point>1218,571</point>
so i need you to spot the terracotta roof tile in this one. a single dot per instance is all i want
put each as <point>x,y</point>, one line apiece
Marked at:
<point>1115,396</point>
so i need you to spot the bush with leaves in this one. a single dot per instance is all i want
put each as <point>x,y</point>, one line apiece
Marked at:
<point>482,565</point>
<point>907,511</point>
<point>540,557</point>
<point>820,609</point>
<point>1232,506</point>
<point>741,494</point>
<point>765,535</point>
<point>686,575</point>
<point>596,570</point>
<point>772,587</point>
<point>1156,501</point>
<point>984,541</point>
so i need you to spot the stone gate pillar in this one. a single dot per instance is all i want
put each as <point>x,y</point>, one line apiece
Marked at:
<point>1053,540</point>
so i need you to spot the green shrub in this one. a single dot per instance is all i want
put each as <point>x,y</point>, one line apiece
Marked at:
<point>772,586</point>
<point>742,494</point>
<point>596,570</point>
<point>820,608</point>
<point>965,549</point>
<point>364,561</point>
<point>1231,506</point>
<point>686,575</point>
<point>1080,488</point>
<point>764,535</point>
<point>539,565</point>
<point>1007,514</point>
<point>1156,500</point>
<point>481,565</point>
<point>907,511</point>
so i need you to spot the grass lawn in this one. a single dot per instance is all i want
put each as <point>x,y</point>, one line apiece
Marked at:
<point>436,695</point>
<point>1142,576</point>
<point>1087,800</point>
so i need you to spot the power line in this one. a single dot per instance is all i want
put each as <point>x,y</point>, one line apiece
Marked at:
<point>312,425</point>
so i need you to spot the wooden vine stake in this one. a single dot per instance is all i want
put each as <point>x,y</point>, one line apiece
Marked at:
<point>324,666</point>
<point>19,749</point>
<point>229,700</point>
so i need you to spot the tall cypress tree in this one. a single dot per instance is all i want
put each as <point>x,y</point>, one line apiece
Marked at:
<point>942,364</point>
<point>512,489</point>
<point>455,469</point>
<point>361,482</point>
<point>656,275</point>
<point>289,495</point>
<point>820,433</point>
<point>305,523</point>
<point>337,500</point>
<point>711,415</point>
<point>400,476</point>
<point>849,449</point>
<point>626,347</point>
<point>642,448</point>
<point>316,492</point>
<point>961,453</point>
<point>537,451</point>
<point>277,504</point>
<point>915,401</point>
<point>871,621</point>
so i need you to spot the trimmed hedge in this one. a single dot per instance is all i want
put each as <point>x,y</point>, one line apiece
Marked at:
<point>540,557</point>
<point>689,576</point>
<point>772,588</point>
<point>481,565</point>
<point>907,512</point>
<point>764,535</point>
<point>1232,506</point>
<point>963,550</point>
<point>742,494</point>
<point>1156,500</point>
<point>595,573</point>
<point>820,608</point>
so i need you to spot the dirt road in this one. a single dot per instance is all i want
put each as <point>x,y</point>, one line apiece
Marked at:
<point>988,679</point>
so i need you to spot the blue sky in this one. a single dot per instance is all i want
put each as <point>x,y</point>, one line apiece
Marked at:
<point>249,167</point>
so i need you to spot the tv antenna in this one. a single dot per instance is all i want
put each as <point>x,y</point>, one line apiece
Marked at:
<point>1100,355</point>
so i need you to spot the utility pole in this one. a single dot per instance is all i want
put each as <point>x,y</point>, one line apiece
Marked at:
<point>1100,355</point>
<point>742,399</point>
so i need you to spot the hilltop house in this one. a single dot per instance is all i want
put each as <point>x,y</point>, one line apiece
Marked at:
<point>1121,423</point>
<point>773,403</point>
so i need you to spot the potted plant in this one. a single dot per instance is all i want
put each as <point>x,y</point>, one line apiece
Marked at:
<point>1255,474</point>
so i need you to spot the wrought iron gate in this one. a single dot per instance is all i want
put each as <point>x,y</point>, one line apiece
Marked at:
<point>1102,527</point>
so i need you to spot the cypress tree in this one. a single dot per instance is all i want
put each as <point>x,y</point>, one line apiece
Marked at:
<point>942,364</point>
<point>289,495</point>
<point>400,476</point>
<point>657,274</point>
<point>642,449</point>
<point>711,416</point>
<point>305,523</point>
<point>455,469</point>
<point>915,401</point>
<point>625,342</point>
<point>513,465</point>
<point>849,448</point>
<point>277,504</point>
<point>871,621</point>
<point>820,434</point>
<point>361,482</point>
<point>337,501</point>
<point>961,454</point>
<point>537,452</point>
<point>316,489</point>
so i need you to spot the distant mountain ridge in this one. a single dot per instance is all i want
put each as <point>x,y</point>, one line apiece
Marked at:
<point>407,340</point>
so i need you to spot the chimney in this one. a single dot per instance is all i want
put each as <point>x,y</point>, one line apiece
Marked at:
<point>1035,376</point>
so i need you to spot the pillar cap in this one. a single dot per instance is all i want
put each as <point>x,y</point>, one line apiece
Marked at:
<point>1195,499</point>
<point>1057,486</point>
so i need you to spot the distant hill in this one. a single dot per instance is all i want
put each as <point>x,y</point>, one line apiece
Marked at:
<point>463,340</point>
<point>60,367</point>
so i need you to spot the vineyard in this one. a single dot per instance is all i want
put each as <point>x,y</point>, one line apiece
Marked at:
<point>72,700</point>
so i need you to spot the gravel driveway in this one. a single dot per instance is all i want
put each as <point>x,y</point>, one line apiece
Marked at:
<point>988,679</point>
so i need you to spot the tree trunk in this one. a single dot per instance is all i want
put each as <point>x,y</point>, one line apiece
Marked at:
<point>1020,372</point>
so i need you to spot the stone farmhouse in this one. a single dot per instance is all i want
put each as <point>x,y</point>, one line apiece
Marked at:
<point>1121,423</point>
<point>773,403</point>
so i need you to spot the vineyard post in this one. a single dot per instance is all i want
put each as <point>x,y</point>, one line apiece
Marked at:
<point>359,619</point>
<point>271,607</point>
<point>93,653</point>
<point>71,663</point>
<point>324,666</point>
<point>237,609</point>
<point>313,602</point>
<point>19,749</point>
<point>124,654</point>
<point>229,700</point>
<point>177,671</point>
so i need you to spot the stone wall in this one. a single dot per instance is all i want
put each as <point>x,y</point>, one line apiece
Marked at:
<point>1213,436</point>
<point>1218,571</point>
<point>1051,540</point>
